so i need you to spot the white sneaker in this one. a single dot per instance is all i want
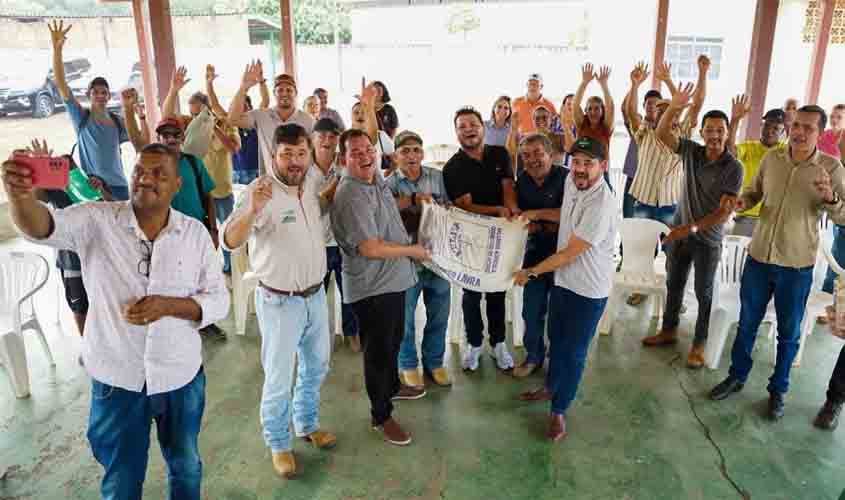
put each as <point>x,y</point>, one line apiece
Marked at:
<point>470,361</point>
<point>502,356</point>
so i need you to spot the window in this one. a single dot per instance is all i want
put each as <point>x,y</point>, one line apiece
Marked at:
<point>682,53</point>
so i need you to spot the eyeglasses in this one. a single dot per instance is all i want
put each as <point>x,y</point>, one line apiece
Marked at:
<point>175,135</point>
<point>146,257</point>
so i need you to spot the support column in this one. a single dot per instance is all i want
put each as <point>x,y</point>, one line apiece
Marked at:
<point>145,56</point>
<point>759,65</point>
<point>814,82</point>
<point>660,31</point>
<point>288,38</point>
<point>154,30</point>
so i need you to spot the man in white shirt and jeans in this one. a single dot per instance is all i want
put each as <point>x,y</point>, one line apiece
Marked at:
<point>153,279</point>
<point>279,217</point>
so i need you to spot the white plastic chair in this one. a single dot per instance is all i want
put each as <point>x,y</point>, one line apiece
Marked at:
<point>816,303</point>
<point>517,323</point>
<point>617,182</point>
<point>437,155</point>
<point>726,303</point>
<point>244,282</point>
<point>22,274</point>
<point>637,275</point>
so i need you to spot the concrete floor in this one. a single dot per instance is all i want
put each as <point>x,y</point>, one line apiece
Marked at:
<point>633,431</point>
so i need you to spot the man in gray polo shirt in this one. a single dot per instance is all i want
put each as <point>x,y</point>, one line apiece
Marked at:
<point>377,270</point>
<point>712,178</point>
<point>583,268</point>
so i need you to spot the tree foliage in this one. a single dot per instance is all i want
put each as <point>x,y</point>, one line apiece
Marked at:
<point>314,20</point>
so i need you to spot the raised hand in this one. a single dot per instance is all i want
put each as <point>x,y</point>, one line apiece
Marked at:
<point>587,73</point>
<point>39,148</point>
<point>58,33</point>
<point>639,74</point>
<point>179,79</point>
<point>368,95</point>
<point>259,70</point>
<point>210,74</point>
<point>703,64</point>
<point>682,97</point>
<point>129,98</point>
<point>604,74</point>
<point>663,72</point>
<point>17,180</point>
<point>740,107</point>
<point>260,194</point>
<point>253,75</point>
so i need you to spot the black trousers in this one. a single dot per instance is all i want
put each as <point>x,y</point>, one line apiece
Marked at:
<point>679,259</point>
<point>471,305</point>
<point>381,327</point>
<point>836,389</point>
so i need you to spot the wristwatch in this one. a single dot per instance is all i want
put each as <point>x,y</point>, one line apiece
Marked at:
<point>532,274</point>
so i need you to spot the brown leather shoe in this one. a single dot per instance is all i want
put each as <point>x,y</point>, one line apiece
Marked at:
<point>636,299</point>
<point>695,358</point>
<point>663,337</point>
<point>411,378</point>
<point>393,433</point>
<point>536,396</point>
<point>354,343</point>
<point>409,392</point>
<point>557,428</point>
<point>828,417</point>
<point>321,439</point>
<point>524,370</point>
<point>284,464</point>
<point>440,376</point>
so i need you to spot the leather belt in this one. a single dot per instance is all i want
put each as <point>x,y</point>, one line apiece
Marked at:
<point>304,293</point>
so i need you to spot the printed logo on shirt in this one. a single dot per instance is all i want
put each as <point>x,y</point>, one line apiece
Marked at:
<point>288,216</point>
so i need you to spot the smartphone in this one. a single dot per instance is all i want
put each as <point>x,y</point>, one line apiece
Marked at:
<point>47,172</point>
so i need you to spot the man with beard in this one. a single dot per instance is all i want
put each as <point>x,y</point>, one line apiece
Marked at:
<point>99,132</point>
<point>377,270</point>
<point>795,185</point>
<point>583,272</point>
<point>479,179</point>
<point>751,153</point>
<point>542,125</point>
<point>539,187</point>
<point>412,185</point>
<point>287,253</point>
<point>153,279</point>
<point>712,179</point>
<point>266,121</point>
<point>326,172</point>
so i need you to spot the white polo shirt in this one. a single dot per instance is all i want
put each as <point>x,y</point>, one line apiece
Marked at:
<point>592,216</point>
<point>166,354</point>
<point>287,249</point>
<point>265,122</point>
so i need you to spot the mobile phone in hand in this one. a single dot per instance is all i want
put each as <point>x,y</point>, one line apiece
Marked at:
<point>47,172</point>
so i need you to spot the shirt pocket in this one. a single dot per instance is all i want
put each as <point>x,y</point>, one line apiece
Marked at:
<point>177,279</point>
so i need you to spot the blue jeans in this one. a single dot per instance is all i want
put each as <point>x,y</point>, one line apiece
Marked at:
<point>223,208</point>
<point>838,251</point>
<point>436,295</point>
<point>535,303</point>
<point>119,434</point>
<point>573,320</point>
<point>334,263</point>
<point>790,287</point>
<point>119,193</point>
<point>244,176</point>
<point>292,329</point>
<point>660,214</point>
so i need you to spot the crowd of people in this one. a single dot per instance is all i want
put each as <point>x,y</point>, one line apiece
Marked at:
<point>325,199</point>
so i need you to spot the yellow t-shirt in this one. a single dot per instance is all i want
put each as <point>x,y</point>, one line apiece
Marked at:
<point>218,162</point>
<point>750,154</point>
